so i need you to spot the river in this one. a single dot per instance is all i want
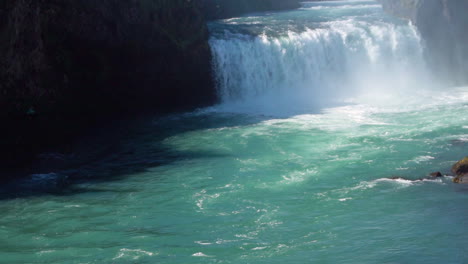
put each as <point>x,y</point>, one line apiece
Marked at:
<point>320,108</point>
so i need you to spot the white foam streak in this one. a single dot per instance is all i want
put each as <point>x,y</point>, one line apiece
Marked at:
<point>133,254</point>
<point>201,254</point>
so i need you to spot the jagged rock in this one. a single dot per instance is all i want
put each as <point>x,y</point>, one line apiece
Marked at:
<point>460,169</point>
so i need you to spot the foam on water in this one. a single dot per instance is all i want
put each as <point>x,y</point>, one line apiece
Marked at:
<point>200,254</point>
<point>286,72</point>
<point>273,174</point>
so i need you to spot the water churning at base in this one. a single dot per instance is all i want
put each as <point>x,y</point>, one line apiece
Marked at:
<point>310,61</point>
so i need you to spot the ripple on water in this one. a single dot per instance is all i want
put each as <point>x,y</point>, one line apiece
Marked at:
<point>201,255</point>
<point>133,254</point>
<point>279,182</point>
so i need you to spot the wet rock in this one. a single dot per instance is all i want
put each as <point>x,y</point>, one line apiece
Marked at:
<point>460,169</point>
<point>436,174</point>
<point>461,179</point>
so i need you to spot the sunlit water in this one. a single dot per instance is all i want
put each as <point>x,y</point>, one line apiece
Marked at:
<point>273,174</point>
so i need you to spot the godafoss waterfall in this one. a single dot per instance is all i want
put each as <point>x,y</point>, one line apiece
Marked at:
<point>320,150</point>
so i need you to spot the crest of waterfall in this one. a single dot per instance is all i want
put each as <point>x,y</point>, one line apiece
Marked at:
<point>323,62</point>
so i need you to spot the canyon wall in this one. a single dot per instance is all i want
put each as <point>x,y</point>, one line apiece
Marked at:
<point>443,25</point>
<point>67,65</point>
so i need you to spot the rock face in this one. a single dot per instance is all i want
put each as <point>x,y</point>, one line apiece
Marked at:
<point>217,9</point>
<point>460,169</point>
<point>115,55</point>
<point>443,25</point>
<point>68,62</point>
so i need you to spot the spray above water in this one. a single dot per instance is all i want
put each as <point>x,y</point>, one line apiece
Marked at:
<point>263,65</point>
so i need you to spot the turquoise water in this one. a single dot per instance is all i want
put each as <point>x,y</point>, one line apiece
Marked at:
<point>258,180</point>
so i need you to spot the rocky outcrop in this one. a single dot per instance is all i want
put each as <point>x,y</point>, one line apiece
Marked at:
<point>436,174</point>
<point>66,63</point>
<point>442,24</point>
<point>111,54</point>
<point>460,169</point>
<point>217,9</point>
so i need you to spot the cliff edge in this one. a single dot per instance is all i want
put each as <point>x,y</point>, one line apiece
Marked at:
<point>67,65</point>
<point>442,24</point>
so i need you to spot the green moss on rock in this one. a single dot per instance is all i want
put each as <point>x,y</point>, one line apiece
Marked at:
<point>460,169</point>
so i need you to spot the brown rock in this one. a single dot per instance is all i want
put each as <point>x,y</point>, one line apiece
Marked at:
<point>460,169</point>
<point>436,174</point>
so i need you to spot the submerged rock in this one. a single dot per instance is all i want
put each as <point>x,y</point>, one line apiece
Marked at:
<point>461,179</point>
<point>432,176</point>
<point>436,174</point>
<point>460,169</point>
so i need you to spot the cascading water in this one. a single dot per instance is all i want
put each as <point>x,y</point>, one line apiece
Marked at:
<point>267,61</point>
<point>278,172</point>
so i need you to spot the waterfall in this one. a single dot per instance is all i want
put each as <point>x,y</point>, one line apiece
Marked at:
<point>324,62</point>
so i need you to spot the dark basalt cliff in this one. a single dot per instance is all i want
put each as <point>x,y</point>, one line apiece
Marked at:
<point>66,64</point>
<point>218,9</point>
<point>108,55</point>
<point>443,25</point>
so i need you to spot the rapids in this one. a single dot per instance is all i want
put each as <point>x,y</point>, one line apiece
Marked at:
<point>319,108</point>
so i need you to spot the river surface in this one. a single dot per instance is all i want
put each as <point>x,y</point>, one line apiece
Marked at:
<point>320,107</point>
